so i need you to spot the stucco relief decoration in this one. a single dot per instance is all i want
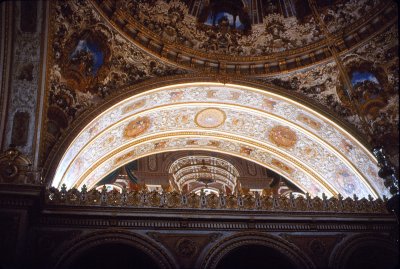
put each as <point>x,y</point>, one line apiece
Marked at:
<point>309,121</point>
<point>307,157</point>
<point>134,106</point>
<point>283,136</point>
<point>186,247</point>
<point>318,83</point>
<point>282,166</point>
<point>344,14</point>
<point>299,177</point>
<point>281,34</point>
<point>345,181</point>
<point>137,127</point>
<point>123,158</point>
<point>210,118</point>
<point>16,168</point>
<point>24,75</point>
<point>89,61</point>
<point>152,163</point>
<point>373,71</point>
<point>246,151</point>
<point>173,23</point>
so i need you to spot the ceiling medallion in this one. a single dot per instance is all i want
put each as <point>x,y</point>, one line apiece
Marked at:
<point>283,136</point>
<point>137,127</point>
<point>210,118</point>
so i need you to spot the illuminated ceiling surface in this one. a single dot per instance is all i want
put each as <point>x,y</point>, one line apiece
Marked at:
<point>307,148</point>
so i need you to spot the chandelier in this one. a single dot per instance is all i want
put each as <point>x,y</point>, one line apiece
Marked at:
<point>204,170</point>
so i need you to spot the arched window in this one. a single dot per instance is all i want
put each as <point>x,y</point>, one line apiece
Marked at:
<point>223,13</point>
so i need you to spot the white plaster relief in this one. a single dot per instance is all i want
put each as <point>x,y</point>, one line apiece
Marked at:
<point>24,91</point>
<point>279,107</point>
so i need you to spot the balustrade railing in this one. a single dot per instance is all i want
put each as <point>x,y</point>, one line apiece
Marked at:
<point>154,199</point>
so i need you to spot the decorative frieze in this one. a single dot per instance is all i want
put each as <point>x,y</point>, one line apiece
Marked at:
<point>243,202</point>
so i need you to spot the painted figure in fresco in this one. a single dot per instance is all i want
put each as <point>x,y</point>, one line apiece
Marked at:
<point>368,92</point>
<point>345,181</point>
<point>87,57</point>
<point>234,12</point>
<point>283,136</point>
<point>137,127</point>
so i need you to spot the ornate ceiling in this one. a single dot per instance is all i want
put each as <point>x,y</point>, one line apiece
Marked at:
<point>313,152</point>
<point>274,36</point>
<point>196,170</point>
<point>100,50</point>
<point>202,171</point>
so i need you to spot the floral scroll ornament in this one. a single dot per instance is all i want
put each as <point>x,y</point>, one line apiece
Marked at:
<point>137,127</point>
<point>283,136</point>
<point>134,106</point>
<point>186,247</point>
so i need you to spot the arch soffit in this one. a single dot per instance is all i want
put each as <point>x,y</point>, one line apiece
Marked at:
<point>216,174</point>
<point>185,171</point>
<point>174,156</point>
<point>242,104</point>
<point>195,169</point>
<point>221,164</point>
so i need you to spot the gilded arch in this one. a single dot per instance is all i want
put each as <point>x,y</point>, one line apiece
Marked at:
<point>295,138</point>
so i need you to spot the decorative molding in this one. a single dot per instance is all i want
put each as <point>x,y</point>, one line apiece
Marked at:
<point>24,80</point>
<point>237,222</point>
<point>291,58</point>
<point>66,254</point>
<point>224,246</point>
<point>73,84</point>
<point>247,202</point>
<point>318,247</point>
<point>378,99</point>
<point>185,246</point>
<point>74,129</point>
<point>16,168</point>
<point>312,165</point>
<point>346,247</point>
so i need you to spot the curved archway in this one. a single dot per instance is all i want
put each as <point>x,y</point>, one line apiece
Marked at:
<point>370,251</point>
<point>288,255</point>
<point>259,124</point>
<point>254,256</point>
<point>174,156</point>
<point>113,255</point>
<point>94,242</point>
